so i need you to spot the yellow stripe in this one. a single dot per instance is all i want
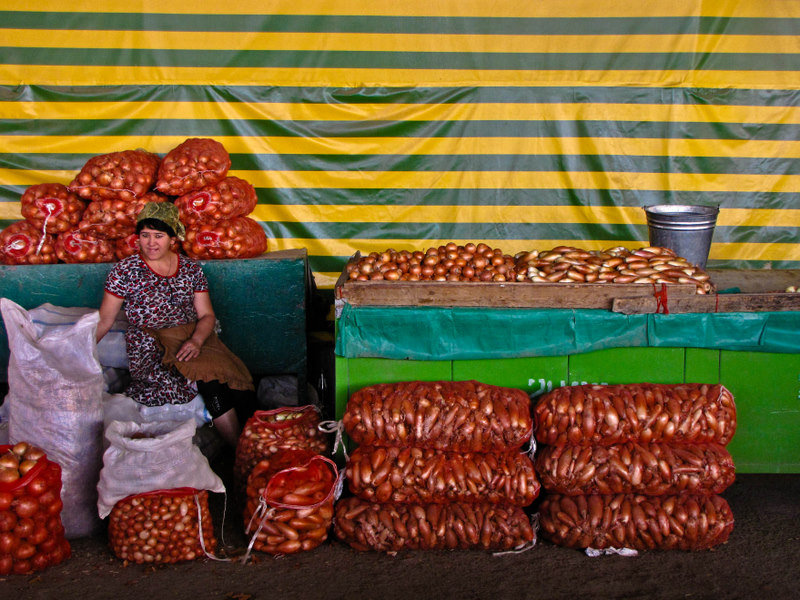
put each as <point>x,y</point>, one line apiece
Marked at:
<point>699,182</point>
<point>15,75</point>
<point>400,42</point>
<point>719,251</point>
<point>491,111</point>
<point>93,145</point>
<point>441,8</point>
<point>729,217</point>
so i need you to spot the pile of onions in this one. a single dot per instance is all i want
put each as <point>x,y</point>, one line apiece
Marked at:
<point>194,164</point>
<point>115,219</point>
<point>76,246</point>
<point>238,237</point>
<point>51,207</point>
<point>31,532</point>
<point>125,176</point>
<point>162,527</point>
<point>231,197</point>
<point>21,244</point>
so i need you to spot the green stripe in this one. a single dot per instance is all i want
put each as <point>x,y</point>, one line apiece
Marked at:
<point>301,59</point>
<point>92,21</point>
<point>479,95</point>
<point>419,129</point>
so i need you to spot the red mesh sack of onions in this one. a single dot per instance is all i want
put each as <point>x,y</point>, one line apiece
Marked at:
<point>269,431</point>
<point>231,197</point>
<point>115,219</point>
<point>391,527</point>
<point>23,244</point>
<point>192,165</point>
<point>125,175</point>
<point>162,527</point>
<point>77,246</point>
<point>643,412</point>
<point>239,237</point>
<point>463,416</point>
<point>290,500</point>
<point>31,532</point>
<point>51,207</point>
<point>631,468</point>
<point>417,475</point>
<point>680,522</point>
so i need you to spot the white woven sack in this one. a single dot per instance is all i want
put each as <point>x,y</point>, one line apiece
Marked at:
<point>55,390</point>
<point>164,459</point>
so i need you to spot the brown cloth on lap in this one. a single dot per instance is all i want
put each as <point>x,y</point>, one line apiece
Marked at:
<point>215,361</point>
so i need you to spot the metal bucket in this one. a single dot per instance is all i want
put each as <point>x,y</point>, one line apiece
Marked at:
<point>686,229</point>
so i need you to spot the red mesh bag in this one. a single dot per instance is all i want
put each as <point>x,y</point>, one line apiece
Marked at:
<point>417,475</point>
<point>162,527</point>
<point>680,522</point>
<point>23,244</point>
<point>231,197</point>
<point>642,412</point>
<point>238,237</point>
<point>125,175</point>
<point>289,505</point>
<point>78,247</point>
<point>648,469</point>
<point>463,416</point>
<point>115,219</point>
<point>194,164</point>
<point>269,431</point>
<point>31,532</point>
<point>391,527</point>
<point>51,207</point>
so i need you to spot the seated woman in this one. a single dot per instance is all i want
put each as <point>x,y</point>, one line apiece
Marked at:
<point>163,289</point>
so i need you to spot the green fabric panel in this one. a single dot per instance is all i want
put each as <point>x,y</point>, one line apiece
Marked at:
<point>461,333</point>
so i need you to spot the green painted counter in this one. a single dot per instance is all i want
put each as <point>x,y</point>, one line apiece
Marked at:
<point>766,385</point>
<point>260,303</point>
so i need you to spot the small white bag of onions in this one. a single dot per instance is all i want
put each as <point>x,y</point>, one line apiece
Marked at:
<point>194,164</point>
<point>51,207</point>
<point>23,244</point>
<point>31,532</point>
<point>125,175</point>
<point>162,527</point>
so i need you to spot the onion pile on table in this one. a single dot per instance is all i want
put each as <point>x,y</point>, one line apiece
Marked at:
<point>638,466</point>
<point>565,264</point>
<point>438,466</point>
<point>31,532</point>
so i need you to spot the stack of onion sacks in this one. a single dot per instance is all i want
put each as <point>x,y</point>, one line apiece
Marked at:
<point>23,244</point>
<point>31,532</point>
<point>289,501</point>
<point>638,465</point>
<point>439,466</point>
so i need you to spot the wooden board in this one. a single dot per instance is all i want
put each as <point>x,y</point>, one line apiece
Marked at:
<point>755,280</point>
<point>711,303</point>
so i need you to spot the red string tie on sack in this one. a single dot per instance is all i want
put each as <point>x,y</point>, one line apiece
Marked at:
<point>661,299</point>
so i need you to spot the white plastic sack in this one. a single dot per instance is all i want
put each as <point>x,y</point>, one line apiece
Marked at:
<point>55,402</point>
<point>119,407</point>
<point>111,351</point>
<point>163,459</point>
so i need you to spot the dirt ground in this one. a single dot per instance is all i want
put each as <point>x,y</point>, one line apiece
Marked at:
<point>760,560</point>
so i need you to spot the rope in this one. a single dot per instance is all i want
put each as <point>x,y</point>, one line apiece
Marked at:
<point>595,552</point>
<point>661,299</point>
<point>268,512</point>
<point>200,530</point>
<point>44,227</point>
<point>336,427</point>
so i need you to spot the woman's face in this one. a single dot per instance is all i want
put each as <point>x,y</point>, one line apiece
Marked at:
<point>153,244</point>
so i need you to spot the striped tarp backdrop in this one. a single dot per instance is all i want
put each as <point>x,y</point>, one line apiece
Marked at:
<point>366,125</point>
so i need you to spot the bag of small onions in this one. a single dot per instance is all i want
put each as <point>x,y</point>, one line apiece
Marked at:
<point>162,527</point>
<point>238,237</point>
<point>290,500</point>
<point>23,244</point>
<point>125,175</point>
<point>194,164</point>
<point>115,219</point>
<point>31,532</point>
<point>231,197</point>
<point>51,207</point>
<point>269,431</point>
<point>76,246</point>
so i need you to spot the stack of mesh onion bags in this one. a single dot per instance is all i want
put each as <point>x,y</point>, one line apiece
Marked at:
<point>286,481</point>
<point>93,219</point>
<point>636,466</point>
<point>438,465</point>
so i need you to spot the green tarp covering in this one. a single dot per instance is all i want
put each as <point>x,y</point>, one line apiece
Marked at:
<point>459,333</point>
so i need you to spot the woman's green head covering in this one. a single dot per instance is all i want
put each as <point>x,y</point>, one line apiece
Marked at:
<point>166,212</point>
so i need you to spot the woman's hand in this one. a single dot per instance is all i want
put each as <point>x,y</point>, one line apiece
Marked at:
<point>188,350</point>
